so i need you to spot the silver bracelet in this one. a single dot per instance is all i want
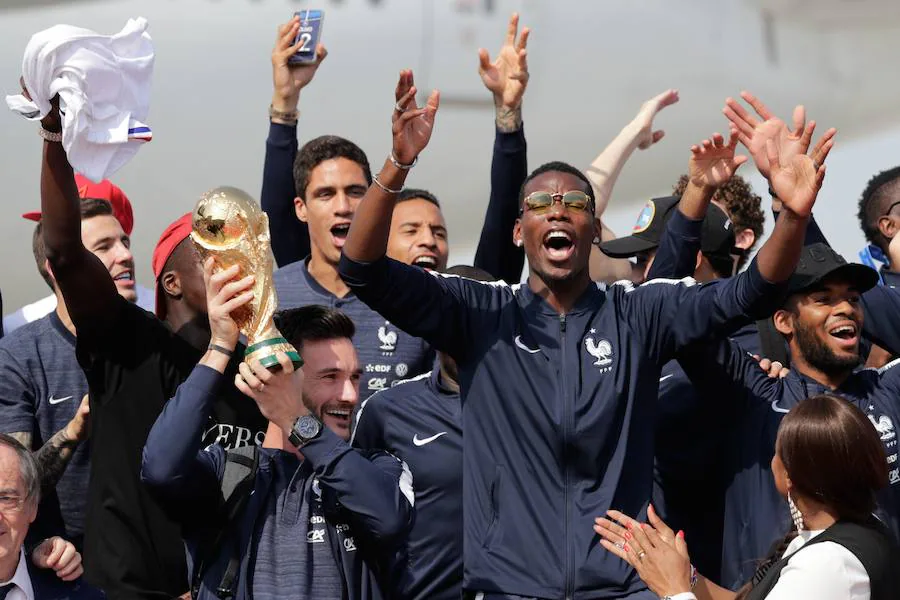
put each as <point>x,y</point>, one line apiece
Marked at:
<point>400,165</point>
<point>384,187</point>
<point>50,136</point>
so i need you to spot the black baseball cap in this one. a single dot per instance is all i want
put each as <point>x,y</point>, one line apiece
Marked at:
<point>716,238</point>
<point>820,261</point>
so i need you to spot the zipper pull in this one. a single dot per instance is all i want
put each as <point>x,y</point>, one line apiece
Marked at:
<point>562,323</point>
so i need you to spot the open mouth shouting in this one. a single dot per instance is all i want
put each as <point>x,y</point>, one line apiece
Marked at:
<point>558,244</point>
<point>426,261</point>
<point>846,333</point>
<point>339,233</point>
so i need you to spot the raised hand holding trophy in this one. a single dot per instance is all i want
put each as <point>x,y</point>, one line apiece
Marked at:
<point>231,227</point>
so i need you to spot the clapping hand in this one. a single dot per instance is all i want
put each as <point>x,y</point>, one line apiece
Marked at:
<point>713,162</point>
<point>507,76</point>
<point>659,556</point>
<point>412,126</point>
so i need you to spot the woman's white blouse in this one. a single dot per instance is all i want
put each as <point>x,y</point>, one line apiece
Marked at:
<point>824,571</point>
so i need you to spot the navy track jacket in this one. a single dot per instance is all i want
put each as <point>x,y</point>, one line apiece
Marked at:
<point>558,410</point>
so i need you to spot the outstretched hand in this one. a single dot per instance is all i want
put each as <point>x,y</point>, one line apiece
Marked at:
<point>412,126</point>
<point>755,132</point>
<point>644,119</point>
<point>713,162</point>
<point>796,183</point>
<point>507,76</point>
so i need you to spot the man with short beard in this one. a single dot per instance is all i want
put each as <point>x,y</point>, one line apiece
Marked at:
<point>822,321</point>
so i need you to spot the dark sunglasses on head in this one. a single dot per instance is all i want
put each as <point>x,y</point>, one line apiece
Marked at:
<point>540,202</point>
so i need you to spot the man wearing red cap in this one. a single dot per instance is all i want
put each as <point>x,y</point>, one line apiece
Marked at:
<point>121,209</point>
<point>134,362</point>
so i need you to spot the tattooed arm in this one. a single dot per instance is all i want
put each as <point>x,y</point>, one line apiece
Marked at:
<point>55,454</point>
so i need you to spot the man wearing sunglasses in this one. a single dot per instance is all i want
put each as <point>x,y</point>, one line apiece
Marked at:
<point>558,378</point>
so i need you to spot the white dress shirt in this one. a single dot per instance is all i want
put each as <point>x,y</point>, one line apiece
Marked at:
<point>21,580</point>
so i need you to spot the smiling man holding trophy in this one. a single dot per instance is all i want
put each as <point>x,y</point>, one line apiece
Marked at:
<point>230,226</point>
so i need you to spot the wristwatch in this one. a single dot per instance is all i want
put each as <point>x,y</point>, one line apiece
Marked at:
<point>305,429</point>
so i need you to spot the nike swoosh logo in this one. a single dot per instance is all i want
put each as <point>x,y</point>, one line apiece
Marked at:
<point>427,440</point>
<point>58,400</point>
<point>664,377</point>
<point>778,409</point>
<point>521,345</point>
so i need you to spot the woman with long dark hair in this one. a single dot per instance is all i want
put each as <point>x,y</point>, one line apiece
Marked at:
<point>829,464</point>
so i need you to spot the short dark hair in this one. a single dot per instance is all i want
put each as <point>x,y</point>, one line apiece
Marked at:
<point>560,167</point>
<point>743,206</point>
<point>834,455</point>
<point>320,149</point>
<point>871,203</point>
<point>313,323</point>
<point>417,194</point>
<point>90,207</point>
<point>29,469</point>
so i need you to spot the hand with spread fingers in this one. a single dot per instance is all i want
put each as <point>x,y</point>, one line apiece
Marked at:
<point>412,126</point>
<point>288,79</point>
<point>61,556</point>
<point>644,120</point>
<point>507,76</point>
<point>278,394</point>
<point>755,132</point>
<point>713,162</point>
<point>658,555</point>
<point>795,183</point>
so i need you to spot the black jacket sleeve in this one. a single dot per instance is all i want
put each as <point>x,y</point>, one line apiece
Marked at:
<point>290,236</point>
<point>496,252</point>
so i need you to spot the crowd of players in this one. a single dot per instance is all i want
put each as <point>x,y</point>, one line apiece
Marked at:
<point>622,440</point>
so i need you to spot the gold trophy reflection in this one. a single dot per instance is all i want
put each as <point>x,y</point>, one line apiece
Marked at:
<point>229,225</point>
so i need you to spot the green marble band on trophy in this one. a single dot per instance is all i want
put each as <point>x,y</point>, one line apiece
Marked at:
<point>229,225</point>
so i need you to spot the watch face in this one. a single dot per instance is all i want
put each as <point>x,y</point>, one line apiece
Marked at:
<point>308,427</point>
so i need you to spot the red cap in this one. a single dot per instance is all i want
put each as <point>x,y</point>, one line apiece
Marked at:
<point>174,234</point>
<point>105,190</point>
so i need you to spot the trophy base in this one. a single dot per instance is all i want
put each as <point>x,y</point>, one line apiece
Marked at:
<point>265,350</point>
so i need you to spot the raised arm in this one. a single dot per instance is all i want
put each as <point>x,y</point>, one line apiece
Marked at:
<point>290,236</point>
<point>173,464</point>
<point>506,78</point>
<point>711,165</point>
<point>89,292</point>
<point>56,453</point>
<point>605,170</point>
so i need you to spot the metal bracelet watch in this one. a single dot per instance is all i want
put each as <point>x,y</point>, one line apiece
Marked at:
<point>304,430</point>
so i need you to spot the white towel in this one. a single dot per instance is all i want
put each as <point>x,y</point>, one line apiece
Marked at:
<point>104,87</point>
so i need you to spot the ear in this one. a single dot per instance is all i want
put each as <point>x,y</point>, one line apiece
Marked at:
<point>699,261</point>
<point>784,322</point>
<point>598,231</point>
<point>744,239</point>
<point>300,209</point>
<point>887,225</point>
<point>517,234</point>
<point>171,284</point>
<point>50,270</point>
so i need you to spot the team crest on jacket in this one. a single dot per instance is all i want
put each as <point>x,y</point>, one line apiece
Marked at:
<point>601,351</point>
<point>387,338</point>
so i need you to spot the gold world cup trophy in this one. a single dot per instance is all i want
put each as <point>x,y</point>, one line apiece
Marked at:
<point>229,225</point>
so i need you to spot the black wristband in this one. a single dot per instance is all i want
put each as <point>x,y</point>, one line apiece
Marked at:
<point>221,350</point>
